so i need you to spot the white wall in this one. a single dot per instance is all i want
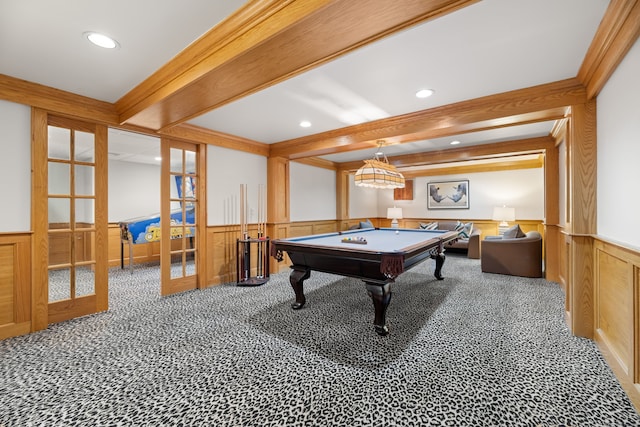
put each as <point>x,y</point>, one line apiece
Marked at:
<point>134,190</point>
<point>15,166</point>
<point>312,193</point>
<point>363,201</point>
<point>522,189</point>
<point>226,170</point>
<point>618,115</point>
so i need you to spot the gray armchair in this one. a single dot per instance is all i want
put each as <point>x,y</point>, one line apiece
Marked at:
<point>514,256</point>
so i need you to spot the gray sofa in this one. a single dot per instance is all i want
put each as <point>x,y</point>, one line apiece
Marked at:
<point>470,245</point>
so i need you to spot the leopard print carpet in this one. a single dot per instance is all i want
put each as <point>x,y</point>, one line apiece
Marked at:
<point>474,349</point>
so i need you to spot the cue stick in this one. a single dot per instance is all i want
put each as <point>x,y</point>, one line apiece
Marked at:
<point>259,267</point>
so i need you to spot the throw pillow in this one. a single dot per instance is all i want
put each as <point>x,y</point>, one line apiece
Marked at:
<point>467,229</point>
<point>366,224</point>
<point>429,226</point>
<point>514,232</point>
<point>464,229</point>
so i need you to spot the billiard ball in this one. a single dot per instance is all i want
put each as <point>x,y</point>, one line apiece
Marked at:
<point>397,232</point>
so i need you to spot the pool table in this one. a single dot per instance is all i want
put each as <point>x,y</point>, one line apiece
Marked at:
<point>375,255</point>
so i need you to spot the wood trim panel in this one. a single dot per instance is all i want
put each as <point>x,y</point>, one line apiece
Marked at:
<point>460,168</point>
<point>552,213</point>
<point>318,163</point>
<point>59,101</point>
<point>617,311</point>
<point>263,43</point>
<point>306,228</point>
<point>342,195</point>
<point>405,193</point>
<point>614,306</point>
<point>488,227</point>
<point>201,217</point>
<point>617,33</point>
<point>553,259</point>
<point>15,285</point>
<point>192,133</point>
<point>533,104</point>
<point>101,220</point>
<point>279,231</point>
<point>581,213</point>
<point>60,311</point>
<point>581,277</point>
<point>582,154</point>
<point>39,220</point>
<point>277,190</point>
<point>462,154</point>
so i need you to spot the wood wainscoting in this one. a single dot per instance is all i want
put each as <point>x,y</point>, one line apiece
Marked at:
<point>221,241</point>
<point>221,244</point>
<point>488,227</point>
<point>15,284</point>
<point>617,311</point>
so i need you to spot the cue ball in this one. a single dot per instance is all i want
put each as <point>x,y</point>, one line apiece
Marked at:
<point>397,232</point>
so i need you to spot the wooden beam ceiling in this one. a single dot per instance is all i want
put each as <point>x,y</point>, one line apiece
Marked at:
<point>534,104</point>
<point>251,34</point>
<point>264,43</point>
<point>462,154</point>
<point>511,163</point>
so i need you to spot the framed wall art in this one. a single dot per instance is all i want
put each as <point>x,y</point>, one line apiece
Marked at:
<point>448,195</point>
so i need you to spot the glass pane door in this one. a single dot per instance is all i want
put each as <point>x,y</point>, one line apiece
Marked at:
<point>180,217</point>
<point>71,213</point>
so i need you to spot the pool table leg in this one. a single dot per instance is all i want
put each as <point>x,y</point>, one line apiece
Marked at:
<point>380,295</point>
<point>439,263</point>
<point>297,277</point>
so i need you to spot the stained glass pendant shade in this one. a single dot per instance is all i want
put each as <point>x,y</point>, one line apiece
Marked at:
<point>378,173</point>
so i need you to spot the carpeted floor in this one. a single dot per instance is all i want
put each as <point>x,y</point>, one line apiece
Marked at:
<point>475,349</point>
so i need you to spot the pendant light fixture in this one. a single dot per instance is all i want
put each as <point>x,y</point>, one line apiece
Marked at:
<point>378,173</point>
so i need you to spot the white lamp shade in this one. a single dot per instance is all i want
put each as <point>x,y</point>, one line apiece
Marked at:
<point>378,174</point>
<point>504,214</point>
<point>394,213</point>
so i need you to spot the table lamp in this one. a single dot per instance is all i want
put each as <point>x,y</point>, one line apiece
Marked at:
<point>504,215</point>
<point>394,214</point>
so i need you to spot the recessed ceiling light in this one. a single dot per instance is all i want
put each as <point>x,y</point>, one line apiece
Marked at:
<point>305,124</point>
<point>424,93</point>
<point>456,142</point>
<point>101,40</point>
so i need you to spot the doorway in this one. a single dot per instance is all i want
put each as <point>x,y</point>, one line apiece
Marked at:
<point>70,270</point>
<point>183,212</point>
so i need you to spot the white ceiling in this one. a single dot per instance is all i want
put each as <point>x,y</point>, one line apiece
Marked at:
<point>492,46</point>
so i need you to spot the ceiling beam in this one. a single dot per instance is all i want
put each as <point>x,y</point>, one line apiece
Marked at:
<point>534,104</point>
<point>264,43</point>
<point>51,99</point>
<point>511,163</point>
<point>318,163</point>
<point>617,33</point>
<point>462,154</point>
<point>199,134</point>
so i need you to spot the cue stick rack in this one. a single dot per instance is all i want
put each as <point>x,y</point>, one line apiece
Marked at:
<point>245,242</point>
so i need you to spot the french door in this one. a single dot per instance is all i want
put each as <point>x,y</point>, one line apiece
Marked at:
<point>183,215</point>
<point>70,269</point>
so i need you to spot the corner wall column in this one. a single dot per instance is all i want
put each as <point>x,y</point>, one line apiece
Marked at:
<point>342,195</point>
<point>582,209</point>
<point>551,214</point>
<point>277,203</point>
